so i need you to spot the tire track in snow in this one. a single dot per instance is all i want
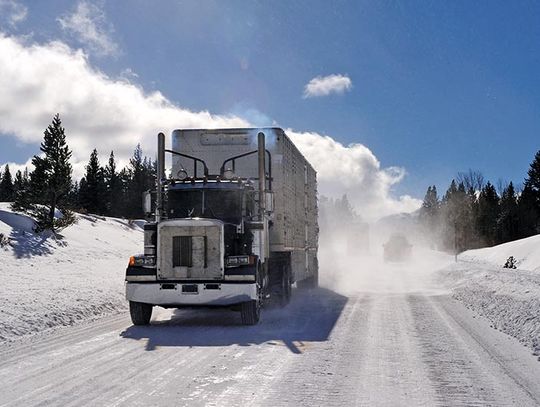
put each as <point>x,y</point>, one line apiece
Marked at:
<point>464,373</point>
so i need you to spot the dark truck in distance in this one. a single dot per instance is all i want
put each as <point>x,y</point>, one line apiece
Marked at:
<point>397,248</point>
<point>235,224</point>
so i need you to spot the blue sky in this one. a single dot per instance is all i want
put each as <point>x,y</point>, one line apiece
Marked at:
<point>437,87</point>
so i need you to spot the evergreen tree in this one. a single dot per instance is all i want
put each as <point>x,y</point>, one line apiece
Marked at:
<point>488,213</point>
<point>532,183</point>
<point>527,212</point>
<point>73,200</point>
<point>457,218</point>
<point>92,194</point>
<point>140,176</point>
<point>430,214</point>
<point>21,186</point>
<point>6,186</point>
<point>114,186</point>
<point>507,223</point>
<point>50,182</point>
<point>18,182</point>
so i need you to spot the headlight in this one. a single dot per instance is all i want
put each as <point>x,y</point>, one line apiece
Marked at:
<point>142,261</point>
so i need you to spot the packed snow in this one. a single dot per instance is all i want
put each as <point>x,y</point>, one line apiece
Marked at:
<point>48,281</point>
<point>508,298</point>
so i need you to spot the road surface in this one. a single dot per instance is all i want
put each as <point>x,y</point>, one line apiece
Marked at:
<point>391,342</point>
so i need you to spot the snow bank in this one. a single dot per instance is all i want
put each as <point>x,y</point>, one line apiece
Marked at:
<point>525,251</point>
<point>508,298</point>
<point>47,281</point>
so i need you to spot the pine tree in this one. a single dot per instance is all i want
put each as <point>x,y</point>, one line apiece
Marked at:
<point>507,223</point>
<point>430,214</point>
<point>114,187</point>
<point>527,212</point>
<point>92,194</point>
<point>532,184</point>
<point>488,213</point>
<point>140,175</point>
<point>21,186</point>
<point>6,186</point>
<point>50,182</point>
<point>456,213</point>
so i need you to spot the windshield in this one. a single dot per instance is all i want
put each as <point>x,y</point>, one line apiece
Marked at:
<point>225,205</point>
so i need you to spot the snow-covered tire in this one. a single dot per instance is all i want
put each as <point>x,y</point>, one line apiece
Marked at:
<point>140,313</point>
<point>250,312</point>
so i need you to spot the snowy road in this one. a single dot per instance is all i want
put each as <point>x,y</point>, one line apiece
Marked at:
<point>396,345</point>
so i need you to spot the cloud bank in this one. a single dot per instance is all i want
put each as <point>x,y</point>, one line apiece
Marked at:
<point>325,85</point>
<point>354,170</point>
<point>39,80</point>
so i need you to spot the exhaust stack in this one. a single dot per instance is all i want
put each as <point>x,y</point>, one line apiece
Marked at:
<point>160,175</point>
<point>262,173</point>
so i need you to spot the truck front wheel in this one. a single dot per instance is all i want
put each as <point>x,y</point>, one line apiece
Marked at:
<point>250,312</point>
<point>140,313</point>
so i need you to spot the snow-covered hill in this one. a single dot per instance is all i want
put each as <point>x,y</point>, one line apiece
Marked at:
<point>525,251</point>
<point>47,281</point>
<point>508,298</point>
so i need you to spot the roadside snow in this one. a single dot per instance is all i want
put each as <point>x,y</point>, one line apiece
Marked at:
<point>525,251</point>
<point>508,298</point>
<point>47,281</point>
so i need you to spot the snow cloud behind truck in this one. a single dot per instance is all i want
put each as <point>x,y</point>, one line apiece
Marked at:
<point>236,224</point>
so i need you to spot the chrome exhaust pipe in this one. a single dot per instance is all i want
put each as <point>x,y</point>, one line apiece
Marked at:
<point>262,173</point>
<point>160,176</point>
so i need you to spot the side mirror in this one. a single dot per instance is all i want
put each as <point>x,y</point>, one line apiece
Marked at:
<point>147,202</point>
<point>269,204</point>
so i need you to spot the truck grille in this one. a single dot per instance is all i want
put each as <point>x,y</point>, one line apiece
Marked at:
<point>182,251</point>
<point>190,249</point>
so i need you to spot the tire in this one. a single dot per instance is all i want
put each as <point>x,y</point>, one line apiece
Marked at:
<point>140,313</point>
<point>315,279</point>
<point>250,312</point>
<point>309,283</point>
<point>285,289</point>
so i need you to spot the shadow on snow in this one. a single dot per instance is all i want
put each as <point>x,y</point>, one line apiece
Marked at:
<point>310,317</point>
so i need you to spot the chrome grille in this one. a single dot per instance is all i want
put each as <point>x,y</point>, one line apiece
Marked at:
<point>182,251</point>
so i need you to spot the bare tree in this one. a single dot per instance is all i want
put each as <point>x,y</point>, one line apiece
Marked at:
<point>501,185</point>
<point>472,179</point>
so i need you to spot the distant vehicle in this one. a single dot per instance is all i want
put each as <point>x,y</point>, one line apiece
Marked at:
<point>397,249</point>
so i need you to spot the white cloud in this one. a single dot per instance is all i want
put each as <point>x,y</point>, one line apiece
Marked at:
<point>39,80</point>
<point>12,12</point>
<point>324,85</point>
<point>354,170</point>
<point>89,25</point>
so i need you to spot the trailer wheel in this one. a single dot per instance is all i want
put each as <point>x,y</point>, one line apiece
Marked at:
<point>315,279</point>
<point>140,313</point>
<point>250,312</point>
<point>285,287</point>
<point>309,283</point>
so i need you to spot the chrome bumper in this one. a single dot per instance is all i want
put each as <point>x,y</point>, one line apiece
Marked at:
<point>174,293</point>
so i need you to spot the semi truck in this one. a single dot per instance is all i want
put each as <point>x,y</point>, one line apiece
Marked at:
<point>234,224</point>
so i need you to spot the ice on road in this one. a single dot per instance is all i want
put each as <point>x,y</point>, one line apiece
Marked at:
<point>386,340</point>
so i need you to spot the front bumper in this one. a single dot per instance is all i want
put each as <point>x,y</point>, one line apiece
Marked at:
<point>172,294</point>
